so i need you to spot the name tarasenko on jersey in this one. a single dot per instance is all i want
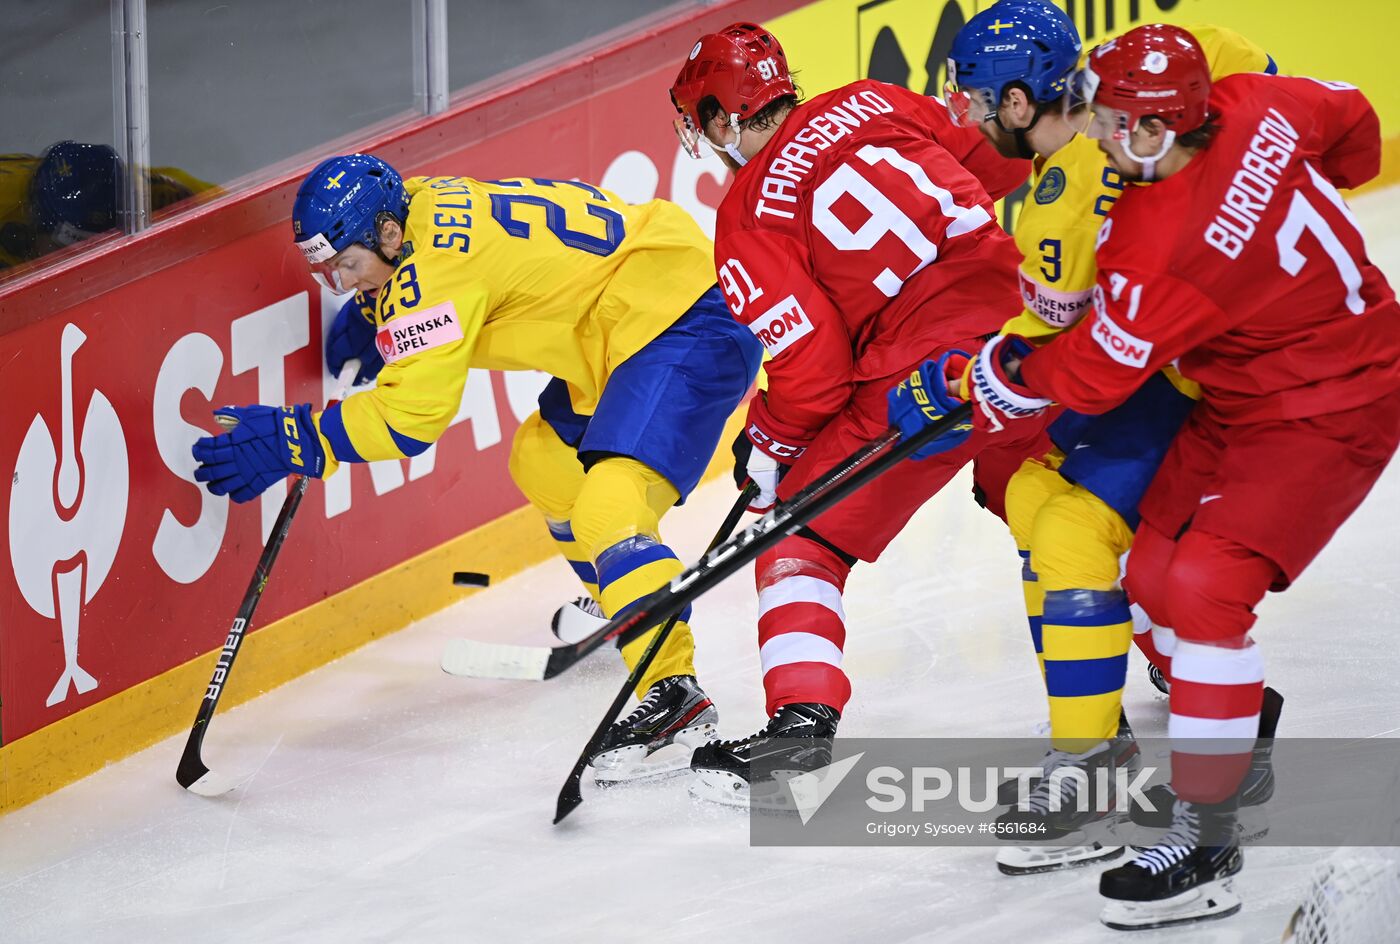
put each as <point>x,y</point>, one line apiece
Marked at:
<point>820,132</point>
<point>1252,188</point>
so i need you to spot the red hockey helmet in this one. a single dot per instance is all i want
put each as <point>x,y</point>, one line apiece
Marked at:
<point>742,67</point>
<point>1154,70</point>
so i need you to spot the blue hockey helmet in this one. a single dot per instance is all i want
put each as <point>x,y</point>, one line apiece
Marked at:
<point>1027,41</point>
<point>339,204</point>
<point>74,190</point>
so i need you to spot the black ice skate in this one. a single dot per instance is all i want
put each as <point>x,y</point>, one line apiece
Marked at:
<point>1182,879</point>
<point>795,740</point>
<point>660,734</point>
<point>1125,749</point>
<point>1068,815</point>
<point>1256,789</point>
<point>577,620</point>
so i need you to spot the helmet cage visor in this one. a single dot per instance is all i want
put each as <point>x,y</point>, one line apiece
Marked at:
<point>1080,89</point>
<point>319,254</point>
<point>969,107</point>
<point>689,136</point>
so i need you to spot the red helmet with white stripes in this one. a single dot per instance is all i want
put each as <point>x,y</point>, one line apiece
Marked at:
<point>742,67</point>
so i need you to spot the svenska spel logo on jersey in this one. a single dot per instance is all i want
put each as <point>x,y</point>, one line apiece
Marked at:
<point>384,342</point>
<point>422,331</point>
<point>781,325</point>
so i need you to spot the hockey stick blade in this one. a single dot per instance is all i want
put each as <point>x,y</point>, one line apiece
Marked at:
<point>473,659</point>
<point>213,784</point>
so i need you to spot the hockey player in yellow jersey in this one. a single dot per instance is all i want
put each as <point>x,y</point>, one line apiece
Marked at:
<point>69,194</point>
<point>1072,511</point>
<point>616,302</point>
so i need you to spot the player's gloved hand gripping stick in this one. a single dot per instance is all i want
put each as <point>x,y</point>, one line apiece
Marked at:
<point>497,660</point>
<point>192,774</point>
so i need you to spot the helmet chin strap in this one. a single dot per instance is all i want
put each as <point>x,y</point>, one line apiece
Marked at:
<point>1023,146</point>
<point>731,148</point>
<point>1149,164</point>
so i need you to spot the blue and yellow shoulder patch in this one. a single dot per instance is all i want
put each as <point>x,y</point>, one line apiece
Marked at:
<point>1051,186</point>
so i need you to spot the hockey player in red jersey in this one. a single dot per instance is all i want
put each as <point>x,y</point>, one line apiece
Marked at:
<point>858,239</point>
<point>1243,265</point>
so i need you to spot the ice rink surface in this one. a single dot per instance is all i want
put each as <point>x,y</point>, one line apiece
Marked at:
<point>392,803</point>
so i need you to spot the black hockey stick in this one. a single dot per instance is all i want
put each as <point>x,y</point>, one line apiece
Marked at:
<point>571,794</point>
<point>192,774</point>
<point>496,660</point>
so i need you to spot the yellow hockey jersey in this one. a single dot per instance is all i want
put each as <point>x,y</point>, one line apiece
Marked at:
<point>519,274</point>
<point>1071,193</point>
<point>19,237</point>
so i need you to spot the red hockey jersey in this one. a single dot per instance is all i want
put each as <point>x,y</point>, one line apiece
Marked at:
<point>1245,268</point>
<point>860,239</point>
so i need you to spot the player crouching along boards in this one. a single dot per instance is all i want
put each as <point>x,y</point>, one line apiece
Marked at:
<point>1076,507</point>
<point>1242,264</point>
<point>857,240</point>
<point>617,303</point>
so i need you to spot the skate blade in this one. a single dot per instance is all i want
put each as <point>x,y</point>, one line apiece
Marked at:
<point>633,763</point>
<point>722,787</point>
<point>770,796</point>
<point>1032,860</point>
<point>1209,902</point>
<point>662,763</point>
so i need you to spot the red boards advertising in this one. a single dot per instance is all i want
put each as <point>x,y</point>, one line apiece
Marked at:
<point>118,567</point>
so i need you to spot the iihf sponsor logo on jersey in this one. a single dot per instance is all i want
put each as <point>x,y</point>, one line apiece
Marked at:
<point>782,325</point>
<point>419,332</point>
<point>1055,308</point>
<point>1123,346</point>
<point>67,513</point>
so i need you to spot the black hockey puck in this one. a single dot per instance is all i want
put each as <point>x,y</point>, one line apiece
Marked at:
<point>470,578</point>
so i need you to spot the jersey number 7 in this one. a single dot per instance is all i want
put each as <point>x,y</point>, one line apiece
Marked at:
<point>1302,215</point>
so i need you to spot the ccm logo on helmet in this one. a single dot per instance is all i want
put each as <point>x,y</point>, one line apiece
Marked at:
<point>1120,345</point>
<point>781,325</point>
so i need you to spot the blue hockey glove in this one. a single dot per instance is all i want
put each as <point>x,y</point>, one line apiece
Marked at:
<point>925,398</point>
<point>352,335</point>
<point>265,445</point>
